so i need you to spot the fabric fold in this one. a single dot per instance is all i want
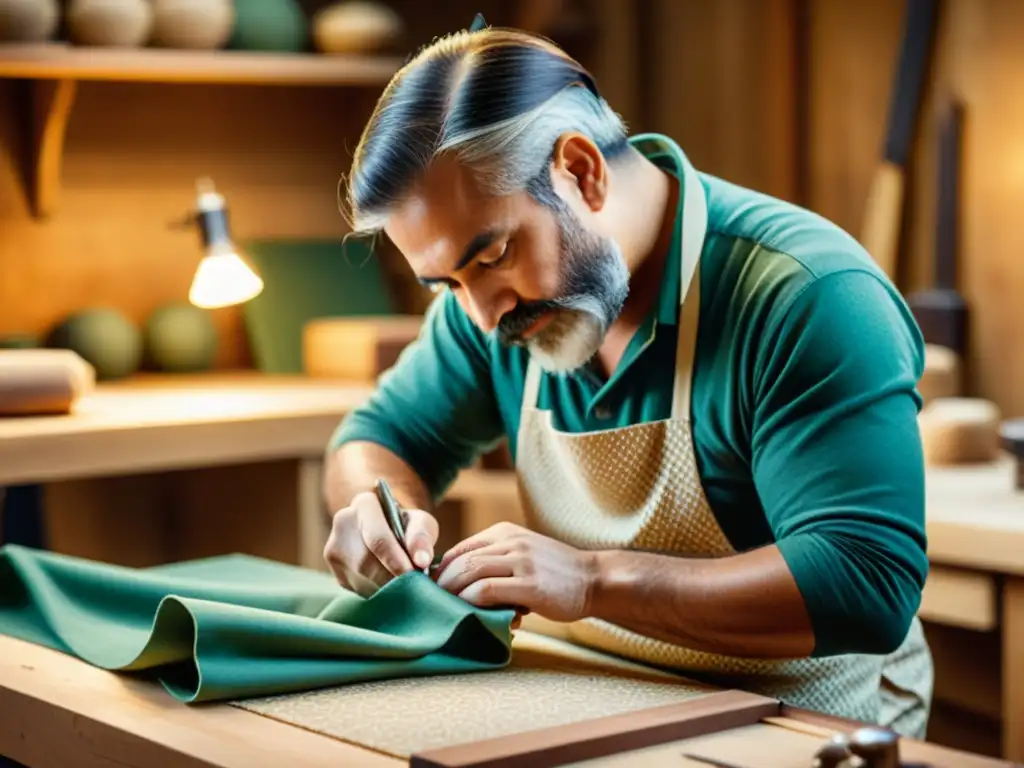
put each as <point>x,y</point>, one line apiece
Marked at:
<point>237,626</point>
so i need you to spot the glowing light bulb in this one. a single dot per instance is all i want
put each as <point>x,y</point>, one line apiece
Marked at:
<point>223,278</point>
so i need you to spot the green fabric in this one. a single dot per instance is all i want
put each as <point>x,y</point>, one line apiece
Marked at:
<point>236,626</point>
<point>804,405</point>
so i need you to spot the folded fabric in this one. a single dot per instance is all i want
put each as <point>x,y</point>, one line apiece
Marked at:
<point>237,626</point>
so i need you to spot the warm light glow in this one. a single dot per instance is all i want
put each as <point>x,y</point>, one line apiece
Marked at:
<point>223,279</point>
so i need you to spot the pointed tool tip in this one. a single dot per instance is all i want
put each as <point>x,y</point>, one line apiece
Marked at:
<point>478,23</point>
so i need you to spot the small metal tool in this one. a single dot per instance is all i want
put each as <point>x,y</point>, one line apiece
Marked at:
<point>395,516</point>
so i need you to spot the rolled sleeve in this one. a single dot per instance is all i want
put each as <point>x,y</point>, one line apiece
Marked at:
<point>837,459</point>
<point>435,408</point>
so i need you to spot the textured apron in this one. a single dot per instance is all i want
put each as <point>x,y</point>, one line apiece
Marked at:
<point>638,488</point>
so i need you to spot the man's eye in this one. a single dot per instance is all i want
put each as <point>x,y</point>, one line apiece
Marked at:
<point>499,259</point>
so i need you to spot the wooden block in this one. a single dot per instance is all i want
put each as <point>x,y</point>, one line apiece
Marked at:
<point>356,348</point>
<point>941,377</point>
<point>958,430</point>
<point>42,381</point>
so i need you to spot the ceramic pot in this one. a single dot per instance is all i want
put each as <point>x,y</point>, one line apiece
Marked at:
<point>196,24</point>
<point>28,21</point>
<point>110,23</point>
<point>270,25</point>
<point>355,27</point>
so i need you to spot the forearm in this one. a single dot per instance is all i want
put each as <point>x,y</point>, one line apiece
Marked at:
<point>744,605</point>
<point>355,467</point>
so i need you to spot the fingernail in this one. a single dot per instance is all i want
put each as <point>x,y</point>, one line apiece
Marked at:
<point>421,559</point>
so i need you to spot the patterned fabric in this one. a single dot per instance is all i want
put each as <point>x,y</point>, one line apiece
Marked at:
<point>638,488</point>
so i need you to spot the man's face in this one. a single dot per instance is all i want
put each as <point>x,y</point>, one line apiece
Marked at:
<point>538,277</point>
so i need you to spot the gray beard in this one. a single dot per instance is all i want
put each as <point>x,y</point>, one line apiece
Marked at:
<point>596,284</point>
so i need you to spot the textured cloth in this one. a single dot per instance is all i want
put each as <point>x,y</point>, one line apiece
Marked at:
<point>402,717</point>
<point>639,487</point>
<point>804,404</point>
<point>237,626</point>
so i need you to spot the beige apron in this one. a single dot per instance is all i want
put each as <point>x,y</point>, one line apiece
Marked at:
<point>638,487</point>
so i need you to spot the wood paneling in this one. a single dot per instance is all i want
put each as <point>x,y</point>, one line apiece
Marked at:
<point>979,58</point>
<point>722,82</point>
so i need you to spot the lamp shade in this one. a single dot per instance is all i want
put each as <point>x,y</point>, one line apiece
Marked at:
<point>223,277</point>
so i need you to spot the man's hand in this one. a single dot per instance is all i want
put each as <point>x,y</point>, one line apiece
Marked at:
<point>508,565</point>
<point>364,554</point>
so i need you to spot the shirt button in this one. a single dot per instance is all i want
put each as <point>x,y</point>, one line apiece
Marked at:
<point>603,412</point>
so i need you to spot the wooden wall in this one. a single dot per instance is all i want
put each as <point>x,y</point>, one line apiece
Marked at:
<point>980,60</point>
<point>133,154</point>
<point>791,97</point>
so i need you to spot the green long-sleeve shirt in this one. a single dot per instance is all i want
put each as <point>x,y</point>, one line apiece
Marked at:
<point>804,405</point>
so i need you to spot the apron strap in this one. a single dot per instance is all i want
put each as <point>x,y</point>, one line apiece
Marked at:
<point>695,224</point>
<point>531,388</point>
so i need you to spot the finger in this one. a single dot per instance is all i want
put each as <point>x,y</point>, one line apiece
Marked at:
<point>484,538</point>
<point>485,563</point>
<point>421,531</point>
<point>377,536</point>
<point>503,592</point>
<point>354,568</point>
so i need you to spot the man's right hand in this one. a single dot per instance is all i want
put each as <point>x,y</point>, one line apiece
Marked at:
<point>364,554</point>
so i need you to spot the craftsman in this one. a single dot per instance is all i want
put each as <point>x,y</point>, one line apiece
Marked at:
<point>709,394</point>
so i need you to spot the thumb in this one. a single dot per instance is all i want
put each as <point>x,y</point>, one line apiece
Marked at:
<point>421,531</point>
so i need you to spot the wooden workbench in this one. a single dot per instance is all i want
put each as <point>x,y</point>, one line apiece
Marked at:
<point>59,711</point>
<point>206,429</point>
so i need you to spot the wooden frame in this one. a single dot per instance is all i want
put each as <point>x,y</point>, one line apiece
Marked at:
<point>606,735</point>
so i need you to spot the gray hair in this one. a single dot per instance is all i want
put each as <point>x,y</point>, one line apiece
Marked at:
<point>496,101</point>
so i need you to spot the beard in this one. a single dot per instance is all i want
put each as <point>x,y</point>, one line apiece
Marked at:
<point>594,284</point>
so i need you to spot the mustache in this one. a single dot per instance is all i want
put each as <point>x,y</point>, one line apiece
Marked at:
<point>517,320</point>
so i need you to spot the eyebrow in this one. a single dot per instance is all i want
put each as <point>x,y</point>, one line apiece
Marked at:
<point>479,243</point>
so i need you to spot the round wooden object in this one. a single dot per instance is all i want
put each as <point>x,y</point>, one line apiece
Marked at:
<point>959,430</point>
<point>28,21</point>
<point>110,23</point>
<point>355,27</point>
<point>941,377</point>
<point>195,24</point>
<point>42,381</point>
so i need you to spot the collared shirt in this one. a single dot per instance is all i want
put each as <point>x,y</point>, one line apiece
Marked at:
<point>804,404</point>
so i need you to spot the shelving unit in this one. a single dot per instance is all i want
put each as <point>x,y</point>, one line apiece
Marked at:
<point>55,69</point>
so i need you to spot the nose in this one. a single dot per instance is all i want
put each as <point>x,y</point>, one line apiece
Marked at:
<point>486,308</point>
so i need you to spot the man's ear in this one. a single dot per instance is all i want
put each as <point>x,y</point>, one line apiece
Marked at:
<point>579,170</point>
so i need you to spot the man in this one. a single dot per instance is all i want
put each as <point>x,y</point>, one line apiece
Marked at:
<point>710,394</point>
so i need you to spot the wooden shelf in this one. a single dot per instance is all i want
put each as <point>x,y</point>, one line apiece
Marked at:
<point>55,69</point>
<point>59,61</point>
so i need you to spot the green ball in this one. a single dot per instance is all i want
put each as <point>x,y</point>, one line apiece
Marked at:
<point>270,25</point>
<point>181,338</point>
<point>103,337</point>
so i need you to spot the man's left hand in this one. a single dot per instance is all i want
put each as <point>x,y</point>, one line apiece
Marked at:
<point>508,565</point>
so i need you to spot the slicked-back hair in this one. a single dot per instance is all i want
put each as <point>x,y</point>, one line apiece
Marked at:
<point>496,100</point>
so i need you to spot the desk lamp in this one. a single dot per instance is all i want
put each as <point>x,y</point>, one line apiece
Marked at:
<point>223,278</point>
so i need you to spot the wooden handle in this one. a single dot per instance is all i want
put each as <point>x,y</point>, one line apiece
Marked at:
<point>881,234</point>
